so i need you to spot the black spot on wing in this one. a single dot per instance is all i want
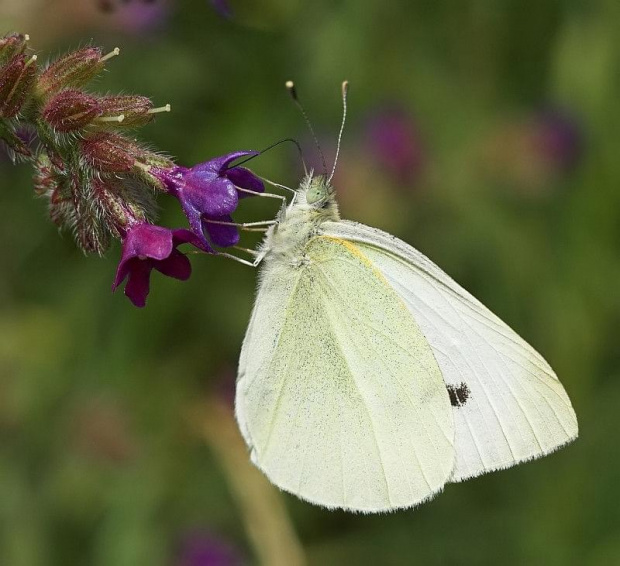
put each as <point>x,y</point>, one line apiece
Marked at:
<point>458,394</point>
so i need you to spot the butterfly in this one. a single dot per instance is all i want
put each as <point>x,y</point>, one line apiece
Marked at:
<point>369,379</point>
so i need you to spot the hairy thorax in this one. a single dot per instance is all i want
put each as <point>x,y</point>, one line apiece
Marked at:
<point>297,224</point>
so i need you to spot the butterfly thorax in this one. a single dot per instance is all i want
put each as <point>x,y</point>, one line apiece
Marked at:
<point>300,221</point>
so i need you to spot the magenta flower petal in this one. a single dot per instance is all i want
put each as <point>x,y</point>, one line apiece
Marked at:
<point>209,190</point>
<point>221,234</point>
<point>218,197</point>
<point>245,179</point>
<point>138,284</point>
<point>219,165</point>
<point>149,241</point>
<point>209,195</point>
<point>177,266</point>
<point>183,236</point>
<point>147,247</point>
<point>143,241</point>
<point>121,273</point>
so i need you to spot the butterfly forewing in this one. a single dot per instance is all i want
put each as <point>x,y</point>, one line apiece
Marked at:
<point>508,404</point>
<point>339,394</point>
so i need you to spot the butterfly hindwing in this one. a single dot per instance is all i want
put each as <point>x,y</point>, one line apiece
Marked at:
<point>339,395</point>
<point>508,404</point>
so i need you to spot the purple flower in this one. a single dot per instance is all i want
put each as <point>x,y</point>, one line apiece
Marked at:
<point>204,549</point>
<point>534,152</point>
<point>559,138</point>
<point>210,191</point>
<point>147,247</point>
<point>222,7</point>
<point>136,16</point>
<point>394,142</point>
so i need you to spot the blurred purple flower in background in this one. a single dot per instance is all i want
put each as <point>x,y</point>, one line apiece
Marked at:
<point>558,138</point>
<point>202,548</point>
<point>147,247</point>
<point>210,191</point>
<point>222,7</point>
<point>393,141</point>
<point>532,153</point>
<point>136,16</point>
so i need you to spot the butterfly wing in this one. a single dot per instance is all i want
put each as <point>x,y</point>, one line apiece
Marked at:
<point>339,396</point>
<point>509,404</point>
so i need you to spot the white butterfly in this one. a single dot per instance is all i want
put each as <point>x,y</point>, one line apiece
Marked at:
<point>369,379</point>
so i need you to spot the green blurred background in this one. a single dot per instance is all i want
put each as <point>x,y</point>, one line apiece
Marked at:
<point>485,133</point>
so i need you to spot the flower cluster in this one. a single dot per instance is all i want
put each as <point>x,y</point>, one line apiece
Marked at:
<point>101,182</point>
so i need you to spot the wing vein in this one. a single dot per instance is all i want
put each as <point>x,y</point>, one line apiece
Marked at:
<point>396,380</point>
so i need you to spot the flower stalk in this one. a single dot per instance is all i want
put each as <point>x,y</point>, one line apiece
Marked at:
<point>99,181</point>
<point>264,513</point>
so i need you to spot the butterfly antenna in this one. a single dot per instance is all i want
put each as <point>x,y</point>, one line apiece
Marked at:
<point>345,91</point>
<point>301,155</point>
<point>290,86</point>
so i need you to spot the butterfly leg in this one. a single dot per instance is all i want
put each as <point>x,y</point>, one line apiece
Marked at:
<point>247,226</point>
<point>264,195</point>
<point>259,257</point>
<point>240,260</point>
<point>274,184</point>
<point>247,251</point>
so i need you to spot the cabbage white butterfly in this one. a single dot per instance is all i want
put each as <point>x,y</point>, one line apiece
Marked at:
<point>369,379</point>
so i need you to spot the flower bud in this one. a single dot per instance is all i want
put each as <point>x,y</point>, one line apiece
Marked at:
<point>12,44</point>
<point>153,177</point>
<point>110,153</point>
<point>92,232</point>
<point>56,159</point>
<point>61,208</point>
<point>135,109</point>
<point>113,153</point>
<point>71,110</point>
<point>118,209</point>
<point>158,161</point>
<point>16,80</point>
<point>60,193</point>
<point>45,179</point>
<point>75,69</point>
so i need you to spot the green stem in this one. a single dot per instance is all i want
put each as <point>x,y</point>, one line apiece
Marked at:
<point>265,516</point>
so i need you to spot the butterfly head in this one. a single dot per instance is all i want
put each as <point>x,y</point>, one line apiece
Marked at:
<point>316,191</point>
<point>316,196</point>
